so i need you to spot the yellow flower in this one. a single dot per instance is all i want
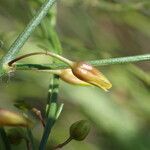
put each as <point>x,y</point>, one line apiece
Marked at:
<point>9,118</point>
<point>68,76</point>
<point>91,75</point>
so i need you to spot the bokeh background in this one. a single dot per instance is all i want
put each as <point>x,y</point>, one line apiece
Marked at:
<point>87,30</point>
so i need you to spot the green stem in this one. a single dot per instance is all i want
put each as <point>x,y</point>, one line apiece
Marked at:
<point>42,53</point>
<point>121,60</point>
<point>100,62</point>
<point>31,138</point>
<point>118,7</point>
<point>28,144</point>
<point>51,111</point>
<point>23,37</point>
<point>5,139</point>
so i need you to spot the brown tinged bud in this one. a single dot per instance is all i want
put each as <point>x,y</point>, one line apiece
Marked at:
<point>67,76</point>
<point>90,74</point>
<point>9,118</point>
<point>79,130</point>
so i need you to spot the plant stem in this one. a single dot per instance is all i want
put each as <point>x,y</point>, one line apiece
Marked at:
<point>121,60</point>
<point>100,62</point>
<point>28,144</point>
<point>63,144</point>
<point>118,7</point>
<point>51,112</point>
<point>52,101</point>
<point>5,139</point>
<point>41,53</point>
<point>23,37</point>
<point>56,72</point>
<point>31,138</point>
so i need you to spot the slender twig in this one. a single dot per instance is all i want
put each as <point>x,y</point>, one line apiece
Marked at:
<point>63,144</point>
<point>28,144</point>
<point>100,62</point>
<point>52,101</point>
<point>31,138</point>
<point>5,139</point>
<point>121,60</point>
<point>41,53</point>
<point>23,37</point>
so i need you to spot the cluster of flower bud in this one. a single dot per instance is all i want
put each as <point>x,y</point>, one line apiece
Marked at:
<point>80,73</point>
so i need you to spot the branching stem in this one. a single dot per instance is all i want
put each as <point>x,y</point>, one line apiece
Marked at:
<point>100,62</point>
<point>70,63</point>
<point>26,33</point>
<point>63,144</point>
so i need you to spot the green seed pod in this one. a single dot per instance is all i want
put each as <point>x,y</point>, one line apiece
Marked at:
<point>15,135</point>
<point>79,130</point>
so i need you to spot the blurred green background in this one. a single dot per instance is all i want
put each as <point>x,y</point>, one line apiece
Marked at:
<point>88,30</point>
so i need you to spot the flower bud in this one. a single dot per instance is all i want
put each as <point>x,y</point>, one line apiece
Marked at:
<point>68,76</point>
<point>15,135</point>
<point>79,130</point>
<point>9,118</point>
<point>89,74</point>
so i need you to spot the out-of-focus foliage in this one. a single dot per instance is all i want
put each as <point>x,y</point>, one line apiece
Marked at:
<point>88,30</point>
